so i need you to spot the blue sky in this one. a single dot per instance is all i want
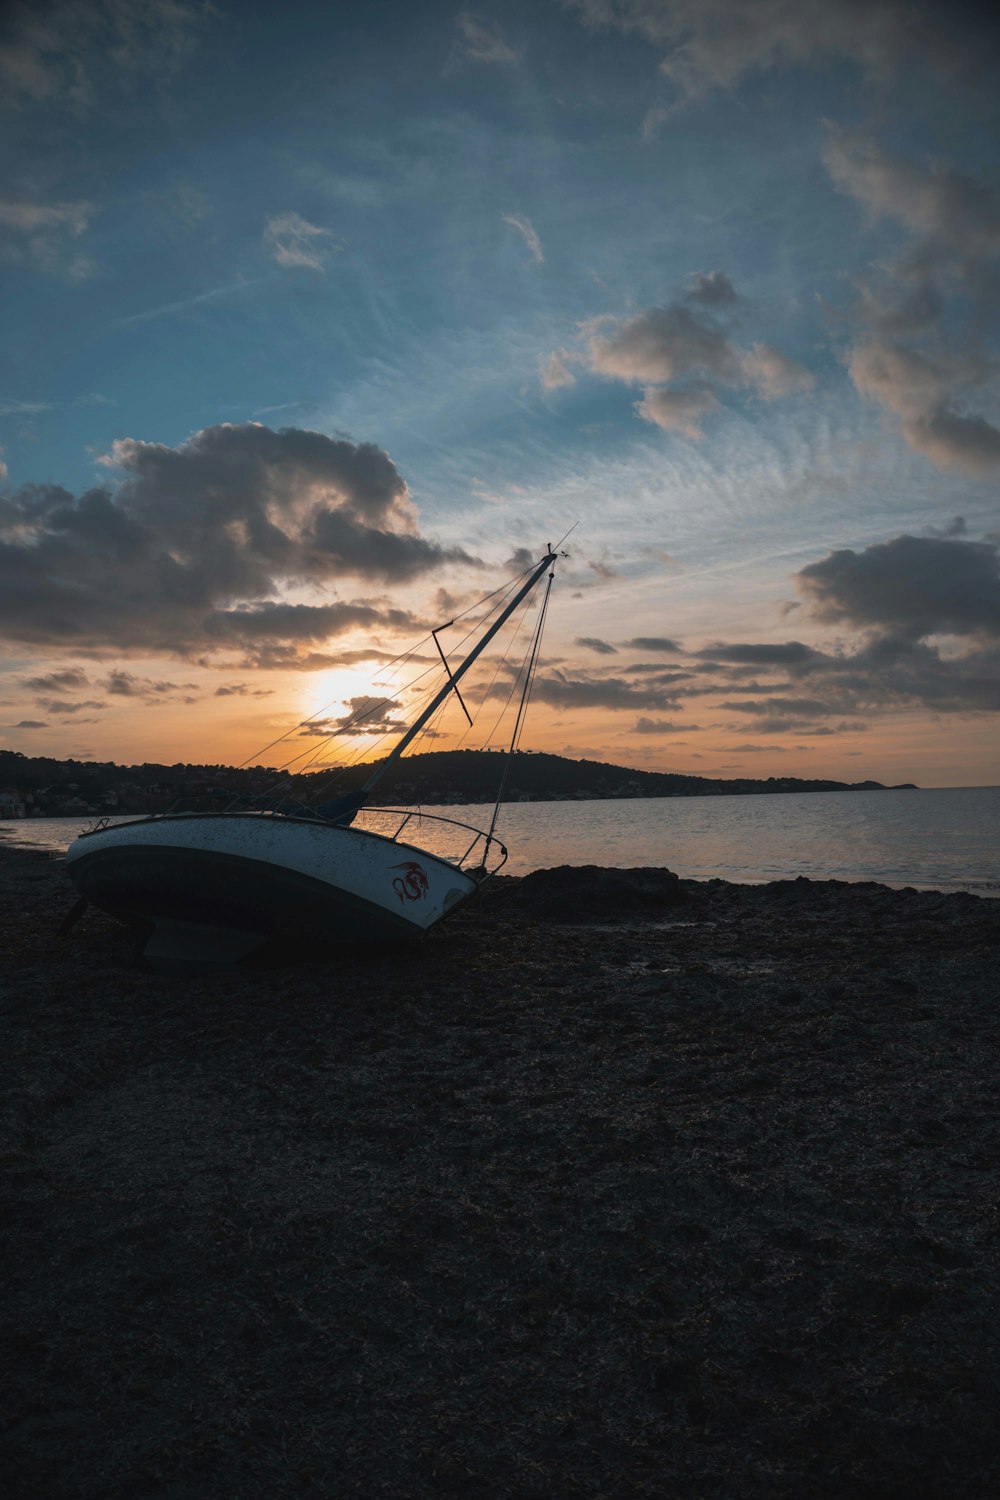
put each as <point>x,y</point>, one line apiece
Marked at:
<point>716,282</point>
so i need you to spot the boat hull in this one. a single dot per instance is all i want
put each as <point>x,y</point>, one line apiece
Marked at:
<point>219,885</point>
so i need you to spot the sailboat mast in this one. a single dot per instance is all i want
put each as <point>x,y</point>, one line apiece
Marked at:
<point>457,675</point>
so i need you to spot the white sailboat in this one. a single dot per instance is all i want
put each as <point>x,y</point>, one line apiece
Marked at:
<point>214,886</point>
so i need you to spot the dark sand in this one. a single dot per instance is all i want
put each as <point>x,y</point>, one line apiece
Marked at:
<point>699,1202</point>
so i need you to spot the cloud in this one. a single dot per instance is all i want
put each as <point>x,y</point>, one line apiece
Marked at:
<point>773,374</point>
<point>714,44</point>
<point>60,706</point>
<point>653,643</point>
<point>562,691</point>
<point>482,41</point>
<point>916,586</point>
<point>897,595</point>
<point>662,726</point>
<point>293,242</point>
<point>301,622</point>
<point>188,547</point>
<point>687,356</point>
<point>592,643</point>
<point>811,708</point>
<point>713,288</point>
<point>529,235</point>
<point>67,680</point>
<point>662,344</point>
<point>919,351</point>
<point>41,236</point>
<point>66,54</point>
<point>948,207</point>
<point>678,411</point>
<point>780,653</point>
<point>921,390</point>
<point>394,556</point>
<point>365,716</point>
<point>30,724</point>
<point>242,690</point>
<point>766,749</point>
<point>122,684</point>
<point>555,373</point>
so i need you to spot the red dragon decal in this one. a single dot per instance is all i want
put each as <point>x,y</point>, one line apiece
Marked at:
<point>413,884</point>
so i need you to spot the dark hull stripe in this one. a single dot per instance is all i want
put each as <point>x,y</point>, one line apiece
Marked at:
<point>161,885</point>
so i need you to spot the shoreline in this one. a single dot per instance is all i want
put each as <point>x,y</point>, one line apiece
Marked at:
<point>616,1184</point>
<point>946,883</point>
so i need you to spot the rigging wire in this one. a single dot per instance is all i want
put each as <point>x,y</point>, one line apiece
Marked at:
<point>318,754</point>
<point>504,588</point>
<point>517,678</point>
<point>522,709</point>
<point>519,625</point>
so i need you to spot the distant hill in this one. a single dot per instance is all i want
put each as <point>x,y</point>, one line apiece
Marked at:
<point>474,776</point>
<point>53,787</point>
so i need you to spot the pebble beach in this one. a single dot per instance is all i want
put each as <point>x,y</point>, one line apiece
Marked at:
<point>615,1185</point>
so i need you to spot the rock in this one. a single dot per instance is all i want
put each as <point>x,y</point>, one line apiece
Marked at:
<point>586,894</point>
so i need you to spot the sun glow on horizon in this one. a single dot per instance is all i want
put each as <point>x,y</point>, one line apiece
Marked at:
<point>330,693</point>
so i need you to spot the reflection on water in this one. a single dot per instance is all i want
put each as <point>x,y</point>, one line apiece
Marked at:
<point>945,839</point>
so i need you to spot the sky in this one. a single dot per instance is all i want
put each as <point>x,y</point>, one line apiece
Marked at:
<point>320,321</point>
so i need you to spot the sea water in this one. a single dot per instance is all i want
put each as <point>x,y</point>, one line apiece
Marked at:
<point>942,839</point>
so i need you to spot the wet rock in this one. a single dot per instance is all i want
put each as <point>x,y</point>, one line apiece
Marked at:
<point>587,894</point>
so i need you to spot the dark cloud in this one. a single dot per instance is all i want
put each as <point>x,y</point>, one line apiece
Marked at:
<point>241,690</point>
<point>365,716</point>
<point>195,541</point>
<point>122,684</point>
<point>662,726</point>
<point>784,726</point>
<point>765,749</point>
<point>713,288</point>
<point>811,708</point>
<point>652,643</point>
<point>744,680</point>
<point>562,691</point>
<point>301,622</point>
<point>30,724</point>
<point>594,643</point>
<point>61,706</point>
<point>395,557</point>
<point>713,44</point>
<point>70,679</point>
<point>915,586</point>
<point>780,653</point>
<point>955,527</point>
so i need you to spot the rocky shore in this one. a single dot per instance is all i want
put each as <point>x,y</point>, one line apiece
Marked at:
<point>616,1185</point>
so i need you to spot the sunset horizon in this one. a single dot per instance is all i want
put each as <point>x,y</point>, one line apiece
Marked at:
<point>320,328</point>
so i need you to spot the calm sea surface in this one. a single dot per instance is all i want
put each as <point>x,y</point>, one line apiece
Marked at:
<point>946,839</point>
